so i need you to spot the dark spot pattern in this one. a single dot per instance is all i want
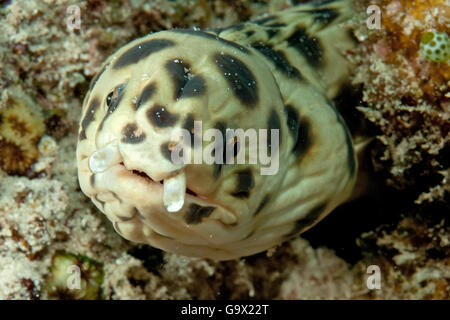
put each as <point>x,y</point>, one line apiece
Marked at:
<point>303,141</point>
<point>292,122</point>
<point>245,183</point>
<point>210,36</point>
<point>146,94</point>
<point>141,51</point>
<point>232,144</point>
<point>166,151</point>
<point>89,117</point>
<point>112,101</point>
<point>345,102</point>
<point>273,29</point>
<point>160,117</point>
<point>249,33</point>
<point>308,220</point>
<point>308,46</point>
<point>236,147</point>
<point>188,125</point>
<point>240,79</point>
<point>178,71</point>
<point>217,170</point>
<point>351,162</point>
<point>195,87</point>
<point>276,25</point>
<point>196,213</point>
<point>221,126</point>
<point>273,123</point>
<point>130,134</point>
<point>263,203</point>
<point>279,60</point>
<point>92,180</point>
<point>272,33</point>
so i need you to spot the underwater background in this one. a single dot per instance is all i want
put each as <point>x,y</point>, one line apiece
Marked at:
<point>47,224</point>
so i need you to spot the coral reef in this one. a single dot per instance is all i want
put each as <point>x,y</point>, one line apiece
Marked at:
<point>31,215</point>
<point>434,46</point>
<point>20,129</point>
<point>44,216</point>
<point>55,62</point>
<point>406,96</point>
<point>74,277</point>
<point>293,271</point>
<point>414,259</point>
<point>319,274</point>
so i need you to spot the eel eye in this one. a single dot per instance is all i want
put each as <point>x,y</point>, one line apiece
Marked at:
<point>109,99</point>
<point>113,98</point>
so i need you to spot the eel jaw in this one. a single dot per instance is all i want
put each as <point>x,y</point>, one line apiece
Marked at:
<point>174,190</point>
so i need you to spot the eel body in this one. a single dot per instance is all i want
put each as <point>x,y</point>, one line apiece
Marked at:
<point>285,72</point>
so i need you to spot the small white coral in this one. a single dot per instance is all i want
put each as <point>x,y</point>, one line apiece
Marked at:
<point>47,146</point>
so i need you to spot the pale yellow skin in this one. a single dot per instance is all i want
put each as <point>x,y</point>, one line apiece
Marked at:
<point>308,185</point>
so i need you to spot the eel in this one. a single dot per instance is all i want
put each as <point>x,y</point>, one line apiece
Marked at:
<point>284,73</point>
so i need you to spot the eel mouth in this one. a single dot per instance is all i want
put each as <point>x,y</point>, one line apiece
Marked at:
<point>175,189</point>
<point>144,175</point>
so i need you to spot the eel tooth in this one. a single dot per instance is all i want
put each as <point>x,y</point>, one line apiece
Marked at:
<point>174,192</point>
<point>105,158</point>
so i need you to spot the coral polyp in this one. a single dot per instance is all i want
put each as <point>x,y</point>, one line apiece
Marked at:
<point>434,46</point>
<point>21,127</point>
<point>16,158</point>
<point>74,276</point>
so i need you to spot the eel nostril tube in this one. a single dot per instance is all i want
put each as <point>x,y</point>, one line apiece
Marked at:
<point>174,192</point>
<point>105,157</point>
